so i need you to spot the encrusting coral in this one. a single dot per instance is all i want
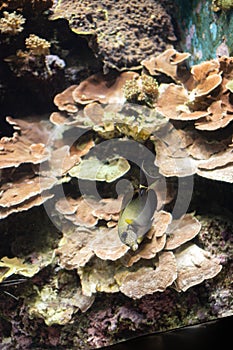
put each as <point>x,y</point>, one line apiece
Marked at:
<point>11,23</point>
<point>145,29</point>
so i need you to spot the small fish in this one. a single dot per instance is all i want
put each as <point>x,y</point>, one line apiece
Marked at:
<point>136,217</point>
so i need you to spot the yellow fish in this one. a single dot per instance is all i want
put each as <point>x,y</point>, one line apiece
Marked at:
<point>136,217</point>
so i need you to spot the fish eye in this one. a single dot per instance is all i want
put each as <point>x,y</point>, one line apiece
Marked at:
<point>124,235</point>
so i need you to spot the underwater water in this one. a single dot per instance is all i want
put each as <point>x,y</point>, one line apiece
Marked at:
<point>116,153</point>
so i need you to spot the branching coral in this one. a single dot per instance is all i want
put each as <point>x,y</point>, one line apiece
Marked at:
<point>36,63</point>
<point>37,46</point>
<point>11,23</point>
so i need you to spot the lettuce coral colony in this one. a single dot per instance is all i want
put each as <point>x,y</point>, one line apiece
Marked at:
<point>64,175</point>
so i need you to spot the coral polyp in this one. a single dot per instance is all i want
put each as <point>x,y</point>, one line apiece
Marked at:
<point>11,23</point>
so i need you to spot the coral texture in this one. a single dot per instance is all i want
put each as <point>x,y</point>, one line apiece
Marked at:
<point>145,29</point>
<point>37,46</point>
<point>11,23</point>
<point>67,176</point>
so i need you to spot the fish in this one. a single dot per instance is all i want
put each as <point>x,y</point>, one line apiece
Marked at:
<point>136,216</point>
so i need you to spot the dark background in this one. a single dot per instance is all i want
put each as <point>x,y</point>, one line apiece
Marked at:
<point>210,335</point>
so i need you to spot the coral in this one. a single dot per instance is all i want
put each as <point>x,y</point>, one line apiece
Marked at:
<point>65,102</point>
<point>97,170</point>
<point>80,244</point>
<point>142,89</point>
<point>188,152</point>
<point>169,62</point>
<point>27,6</point>
<point>105,264</point>
<point>20,192</point>
<point>148,280</point>
<point>203,97</point>
<point>198,267</point>
<point>36,64</point>
<point>222,5</point>
<point>102,88</point>
<point>11,23</point>
<point>24,194</point>
<point>37,46</point>
<point>145,29</point>
<point>110,116</point>
<point>83,278</point>
<point>57,301</point>
<point>23,184</point>
<point>16,266</point>
<point>178,233</point>
<point>27,145</point>
<point>229,85</point>
<point>87,211</point>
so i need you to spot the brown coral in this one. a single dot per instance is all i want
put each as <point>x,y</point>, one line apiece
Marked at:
<point>79,245</point>
<point>87,212</point>
<point>26,146</point>
<point>193,266</point>
<point>184,153</point>
<point>102,88</point>
<point>65,101</point>
<point>145,29</point>
<point>149,280</point>
<point>204,98</point>
<point>151,268</point>
<point>170,62</point>
<point>100,102</point>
